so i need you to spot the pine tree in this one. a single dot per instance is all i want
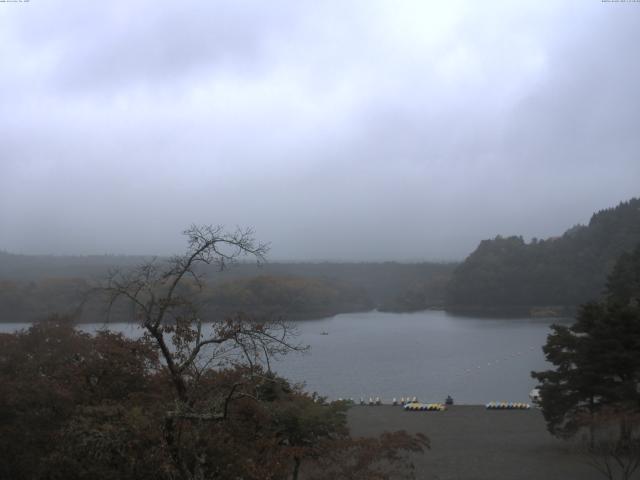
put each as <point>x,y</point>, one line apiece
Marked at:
<point>597,359</point>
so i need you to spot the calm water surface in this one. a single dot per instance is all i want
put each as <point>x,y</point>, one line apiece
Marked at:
<point>427,354</point>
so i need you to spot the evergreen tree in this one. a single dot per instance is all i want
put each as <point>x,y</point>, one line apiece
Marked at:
<point>597,359</point>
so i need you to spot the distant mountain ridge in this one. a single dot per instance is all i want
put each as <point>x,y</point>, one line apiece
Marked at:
<point>565,271</point>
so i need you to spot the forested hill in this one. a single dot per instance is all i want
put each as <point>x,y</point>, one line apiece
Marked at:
<point>33,287</point>
<point>559,271</point>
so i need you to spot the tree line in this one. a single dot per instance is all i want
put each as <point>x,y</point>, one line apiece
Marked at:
<point>503,275</point>
<point>33,286</point>
<point>259,296</point>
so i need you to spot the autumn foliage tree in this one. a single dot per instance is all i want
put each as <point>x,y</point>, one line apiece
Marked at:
<point>191,399</point>
<point>76,406</point>
<point>51,376</point>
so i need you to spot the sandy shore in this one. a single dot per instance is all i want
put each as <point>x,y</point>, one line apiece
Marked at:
<point>471,443</point>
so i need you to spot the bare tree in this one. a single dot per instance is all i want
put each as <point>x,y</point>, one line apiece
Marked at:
<point>165,302</point>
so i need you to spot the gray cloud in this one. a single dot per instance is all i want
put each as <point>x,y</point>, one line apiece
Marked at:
<point>365,130</point>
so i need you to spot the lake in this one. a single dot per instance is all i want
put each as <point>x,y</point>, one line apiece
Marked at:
<point>428,354</point>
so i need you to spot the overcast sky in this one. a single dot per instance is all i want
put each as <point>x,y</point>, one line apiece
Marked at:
<point>339,130</point>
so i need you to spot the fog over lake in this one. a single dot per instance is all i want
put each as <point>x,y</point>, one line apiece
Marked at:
<point>428,354</point>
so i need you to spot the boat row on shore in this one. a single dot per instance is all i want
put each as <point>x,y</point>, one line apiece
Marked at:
<point>413,404</point>
<point>507,406</point>
<point>428,407</point>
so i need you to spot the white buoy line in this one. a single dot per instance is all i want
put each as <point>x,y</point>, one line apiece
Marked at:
<point>495,363</point>
<point>491,363</point>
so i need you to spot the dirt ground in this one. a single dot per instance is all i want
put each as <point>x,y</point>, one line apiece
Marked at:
<point>472,443</point>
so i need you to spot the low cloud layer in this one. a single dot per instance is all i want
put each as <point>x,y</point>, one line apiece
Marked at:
<point>338,130</point>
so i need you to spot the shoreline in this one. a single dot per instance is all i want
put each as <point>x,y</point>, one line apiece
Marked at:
<point>471,442</point>
<point>524,311</point>
<point>502,312</point>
